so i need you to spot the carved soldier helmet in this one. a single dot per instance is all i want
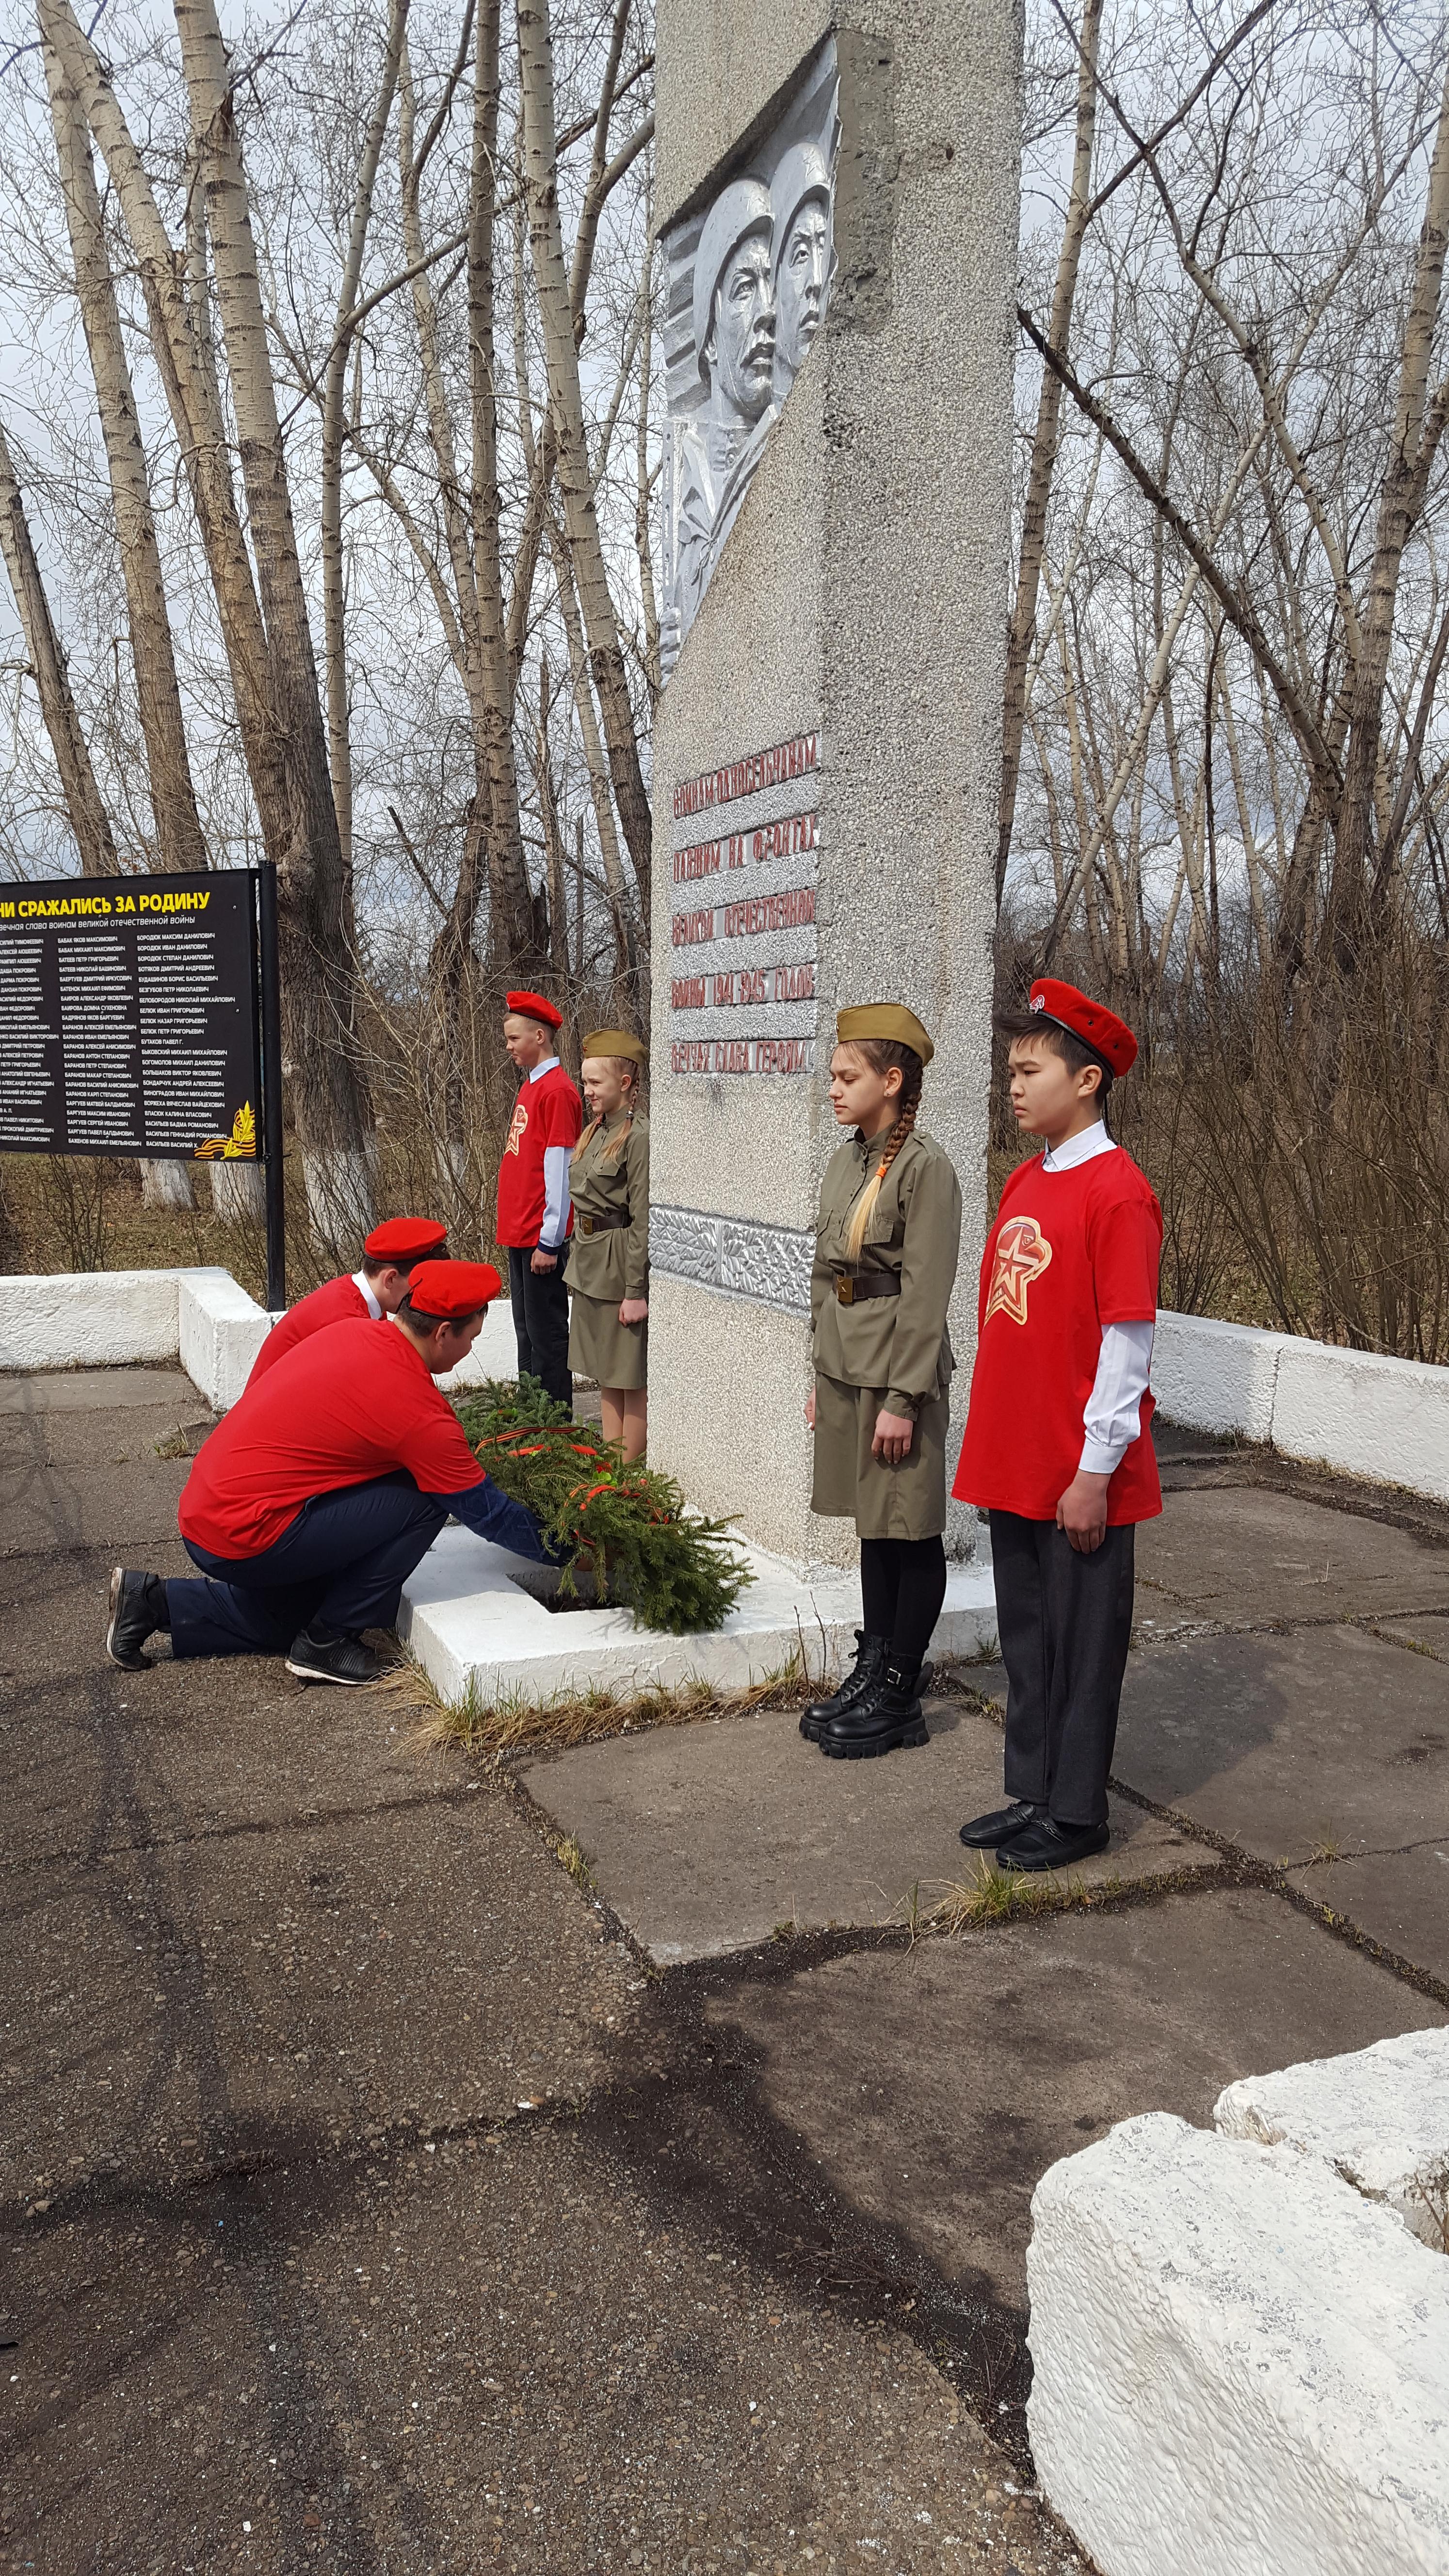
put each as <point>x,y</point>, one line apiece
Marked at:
<point>802,173</point>
<point>740,209</point>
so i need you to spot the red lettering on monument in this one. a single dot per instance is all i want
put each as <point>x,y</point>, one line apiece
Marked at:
<point>785,839</point>
<point>746,777</point>
<point>686,992</point>
<point>700,860</point>
<point>758,914</point>
<point>795,983</point>
<point>686,928</point>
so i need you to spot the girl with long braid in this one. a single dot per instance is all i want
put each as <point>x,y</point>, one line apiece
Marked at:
<point>609,1259</point>
<point>886,1246</point>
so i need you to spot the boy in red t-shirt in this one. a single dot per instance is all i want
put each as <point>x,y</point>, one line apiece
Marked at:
<point>376,1288</point>
<point>535,1218</point>
<point>1057,1446</point>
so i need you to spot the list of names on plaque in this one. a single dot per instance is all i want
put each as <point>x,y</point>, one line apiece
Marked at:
<point>742,927</point>
<point>128,1018</point>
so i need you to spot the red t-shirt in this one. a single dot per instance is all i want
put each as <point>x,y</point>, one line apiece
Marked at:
<point>547,1112</point>
<point>354,1403</point>
<point>337,1301</point>
<point>1069,1253</point>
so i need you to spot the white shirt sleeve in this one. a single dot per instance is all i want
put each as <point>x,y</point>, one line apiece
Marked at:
<point>555,1197</point>
<point>1113,1417</point>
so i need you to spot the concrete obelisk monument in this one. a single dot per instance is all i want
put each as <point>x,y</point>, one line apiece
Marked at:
<point>837,204</point>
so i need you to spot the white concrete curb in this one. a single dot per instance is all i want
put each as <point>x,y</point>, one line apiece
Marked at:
<point>478,1633</point>
<point>1380,2118</point>
<point>1240,2366</point>
<point>1365,1415</point>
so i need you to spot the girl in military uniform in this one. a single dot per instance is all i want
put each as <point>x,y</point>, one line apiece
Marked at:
<point>886,1245</point>
<point>609,1261</point>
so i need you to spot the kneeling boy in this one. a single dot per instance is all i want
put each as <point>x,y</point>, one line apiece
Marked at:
<point>1057,1446</point>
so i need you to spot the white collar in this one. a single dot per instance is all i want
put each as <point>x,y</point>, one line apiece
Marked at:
<point>361,1282</point>
<point>1079,1149</point>
<point>539,1070</point>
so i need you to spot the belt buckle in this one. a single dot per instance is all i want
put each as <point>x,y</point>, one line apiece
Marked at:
<point>844,1290</point>
<point>586,1224</point>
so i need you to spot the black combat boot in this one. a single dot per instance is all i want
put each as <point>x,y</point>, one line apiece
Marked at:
<point>136,1609</point>
<point>870,1654</point>
<point>884,1716</point>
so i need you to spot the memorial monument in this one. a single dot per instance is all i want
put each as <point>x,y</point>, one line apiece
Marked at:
<point>837,212</point>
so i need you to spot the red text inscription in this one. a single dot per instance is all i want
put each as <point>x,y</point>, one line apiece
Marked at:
<point>761,913</point>
<point>784,839</point>
<point>687,928</point>
<point>746,777</point>
<point>702,858</point>
<point>740,1055</point>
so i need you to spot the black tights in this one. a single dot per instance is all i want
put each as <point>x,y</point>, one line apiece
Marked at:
<point>902,1585</point>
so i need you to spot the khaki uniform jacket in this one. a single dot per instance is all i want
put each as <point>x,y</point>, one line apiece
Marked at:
<point>899,1343</point>
<point>616,1264</point>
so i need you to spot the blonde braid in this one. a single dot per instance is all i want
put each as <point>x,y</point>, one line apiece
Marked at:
<point>864,1206</point>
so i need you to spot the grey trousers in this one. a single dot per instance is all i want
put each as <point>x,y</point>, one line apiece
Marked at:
<point>1065,1623</point>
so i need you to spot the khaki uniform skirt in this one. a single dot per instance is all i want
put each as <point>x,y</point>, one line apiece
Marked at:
<point>908,1501</point>
<point>603,1348</point>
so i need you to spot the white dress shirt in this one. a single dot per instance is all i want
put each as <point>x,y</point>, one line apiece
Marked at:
<point>1113,1415</point>
<point>363,1284</point>
<point>555,1180</point>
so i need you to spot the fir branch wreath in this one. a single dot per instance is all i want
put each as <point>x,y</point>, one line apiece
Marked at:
<point>630,1527</point>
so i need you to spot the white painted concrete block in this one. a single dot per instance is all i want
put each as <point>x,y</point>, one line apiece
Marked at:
<point>1380,2117</point>
<point>474,1628</point>
<point>88,1318</point>
<point>1216,1377</point>
<point>1241,2367</point>
<point>1364,1414</point>
<point>220,1331</point>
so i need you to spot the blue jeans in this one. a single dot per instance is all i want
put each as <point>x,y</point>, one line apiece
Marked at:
<point>342,1562</point>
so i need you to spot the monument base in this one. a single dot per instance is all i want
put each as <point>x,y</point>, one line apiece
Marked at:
<point>480,1634</point>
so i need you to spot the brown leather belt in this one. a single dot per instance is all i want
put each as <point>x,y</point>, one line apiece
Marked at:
<point>609,1224</point>
<point>852,1286</point>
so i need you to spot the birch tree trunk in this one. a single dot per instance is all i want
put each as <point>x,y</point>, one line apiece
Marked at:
<point>317,936</point>
<point>566,410</point>
<point>84,810</point>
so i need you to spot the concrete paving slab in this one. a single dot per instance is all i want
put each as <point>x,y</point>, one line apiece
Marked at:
<point>509,2354</point>
<point>1431,1634</point>
<point>935,2086</point>
<point>102,1390</point>
<point>264,1994</point>
<point>1328,1738</point>
<point>1243,1555</point>
<point>706,1838</point>
<point>1398,1898</point>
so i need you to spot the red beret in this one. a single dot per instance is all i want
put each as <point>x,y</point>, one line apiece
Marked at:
<point>532,1006</point>
<point>1092,1022</point>
<point>448,1290</point>
<point>404,1238</point>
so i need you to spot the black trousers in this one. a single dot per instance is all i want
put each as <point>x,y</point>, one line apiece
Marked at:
<point>343,1561</point>
<point>1065,1623</point>
<point>541,1321</point>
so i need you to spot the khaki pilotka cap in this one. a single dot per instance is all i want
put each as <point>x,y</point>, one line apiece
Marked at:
<point>614,1042</point>
<point>884,1020</point>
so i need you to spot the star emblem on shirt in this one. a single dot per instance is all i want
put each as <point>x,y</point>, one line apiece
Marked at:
<point>515,1132</point>
<point>1022,1254</point>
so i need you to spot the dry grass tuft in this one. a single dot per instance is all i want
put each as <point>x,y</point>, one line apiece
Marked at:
<point>1000,1895</point>
<point>515,1724</point>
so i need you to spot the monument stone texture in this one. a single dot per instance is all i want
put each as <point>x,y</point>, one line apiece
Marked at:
<point>837,213</point>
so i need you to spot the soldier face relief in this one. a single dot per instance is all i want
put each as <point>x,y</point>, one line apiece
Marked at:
<point>800,294</point>
<point>740,353</point>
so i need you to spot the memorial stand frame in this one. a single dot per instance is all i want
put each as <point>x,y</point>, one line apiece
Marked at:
<point>33,906</point>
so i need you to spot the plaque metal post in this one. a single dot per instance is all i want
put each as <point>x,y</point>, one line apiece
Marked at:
<point>266,876</point>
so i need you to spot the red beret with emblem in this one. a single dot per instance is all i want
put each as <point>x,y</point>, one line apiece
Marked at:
<point>405,1238</point>
<point>449,1290</point>
<point>532,1006</point>
<point>1092,1022</point>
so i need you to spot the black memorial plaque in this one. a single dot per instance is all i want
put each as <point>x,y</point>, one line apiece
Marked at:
<point>128,1017</point>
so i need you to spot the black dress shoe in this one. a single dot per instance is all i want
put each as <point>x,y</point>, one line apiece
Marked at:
<point>1046,1845</point>
<point>870,1654</point>
<point>889,1714</point>
<point>985,1832</point>
<point>331,1655</point>
<point>137,1609</point>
